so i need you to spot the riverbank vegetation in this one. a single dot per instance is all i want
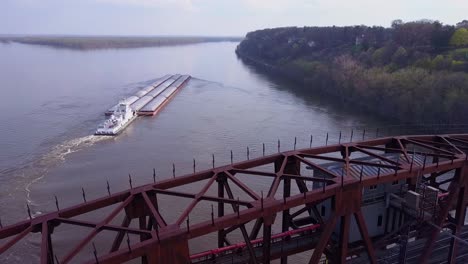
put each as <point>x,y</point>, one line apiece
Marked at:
<point>109,42</point>
<point>414,72</point>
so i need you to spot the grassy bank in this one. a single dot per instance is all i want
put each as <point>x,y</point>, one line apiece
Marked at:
<point>110,42</point>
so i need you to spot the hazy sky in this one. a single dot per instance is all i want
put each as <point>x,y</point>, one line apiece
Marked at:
<point>211,17</point>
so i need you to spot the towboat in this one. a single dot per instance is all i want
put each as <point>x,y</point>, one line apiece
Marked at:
<point>121,118</point>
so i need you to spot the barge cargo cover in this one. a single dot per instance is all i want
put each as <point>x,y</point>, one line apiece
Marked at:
<point>159,101</point>
<point>141,102</point>
<point>132,99</point>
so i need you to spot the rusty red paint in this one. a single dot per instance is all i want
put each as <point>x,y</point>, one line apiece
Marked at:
<point>160,241</point>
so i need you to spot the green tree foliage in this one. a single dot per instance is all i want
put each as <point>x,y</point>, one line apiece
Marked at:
<point>400,56</point>
<point>409,71</point>
<point>462,24</point>
<point>441,35</point>
<point>396,23</point>
<point>383,55</point>
<point>418,33</point>
<point>460,37</point>
<point>459,65</point>
<point>460,54</point>
<point>441,63</point>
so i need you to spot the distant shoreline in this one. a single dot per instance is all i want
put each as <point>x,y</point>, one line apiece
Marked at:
<point>112,42</point>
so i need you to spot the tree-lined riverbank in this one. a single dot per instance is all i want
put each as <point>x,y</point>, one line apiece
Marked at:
<point>415,71</point>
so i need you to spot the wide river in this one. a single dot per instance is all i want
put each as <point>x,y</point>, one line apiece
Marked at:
<point>53,99</point>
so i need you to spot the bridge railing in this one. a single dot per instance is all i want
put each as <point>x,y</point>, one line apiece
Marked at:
<point>257,243</point>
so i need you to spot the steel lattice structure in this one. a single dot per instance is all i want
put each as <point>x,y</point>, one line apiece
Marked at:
<point>341,174</point>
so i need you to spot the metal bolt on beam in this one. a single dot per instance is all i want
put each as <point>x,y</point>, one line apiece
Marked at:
<point>194,166</point>
<point>351,137</point>
<point>56,203</point>
<point>130,180</point>
<point>326,140</point>
<point>173,170</point>
<point>95,253</point>
<point>29,211</point>
<point>248,153</point>
<point>295,142</point>
<point>213,160</point>
<point>311,139</point>
<point>154,175</point>
<point>188,223</point>
<point>378,172</point>
<point>339,139</point>
<point>263,148</point>
<point>108,188</point>
<point>232,157</point>
<point>279,146</point>
<point>1,225</point>
<point>83,194</point>
<point>363,134</point>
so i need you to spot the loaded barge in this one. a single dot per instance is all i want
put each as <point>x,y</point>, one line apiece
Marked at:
<point>163,97</point>
<point>147,102</point>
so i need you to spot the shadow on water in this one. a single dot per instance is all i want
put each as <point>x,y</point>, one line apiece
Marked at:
<point>383,126</point>
<point>314,99</point>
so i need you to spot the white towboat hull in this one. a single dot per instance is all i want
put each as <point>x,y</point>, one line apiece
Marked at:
<point>118,121</point>
<point>114,131</point>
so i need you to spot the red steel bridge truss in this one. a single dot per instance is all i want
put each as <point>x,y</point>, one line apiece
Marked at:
<point>303,183</point>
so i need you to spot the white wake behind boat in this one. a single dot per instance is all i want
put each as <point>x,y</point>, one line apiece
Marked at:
<point>121,118</point>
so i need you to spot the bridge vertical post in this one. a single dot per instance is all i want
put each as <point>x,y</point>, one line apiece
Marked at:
<point>344,238</point>
<point>286,218</point>
<point>220,180</point>
<point>460,215</point>
<point>266,241</point>
<point>173,251</point>
<point>292,167</point>
<point>142,225</point>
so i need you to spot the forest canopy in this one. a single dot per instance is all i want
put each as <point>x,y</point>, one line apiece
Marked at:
<point>411,71</point>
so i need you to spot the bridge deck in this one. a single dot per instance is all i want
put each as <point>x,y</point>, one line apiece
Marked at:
<point>415,249</point>
<point>302,243</point>
<point>278,248</point>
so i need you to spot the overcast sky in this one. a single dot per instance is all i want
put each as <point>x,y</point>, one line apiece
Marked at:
<point>211,17</point>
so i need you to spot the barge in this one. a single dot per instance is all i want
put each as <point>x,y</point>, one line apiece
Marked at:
<point>159,101</point>
<point>132,99</point>
<point>147,102</point>
<point>143,101</point>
